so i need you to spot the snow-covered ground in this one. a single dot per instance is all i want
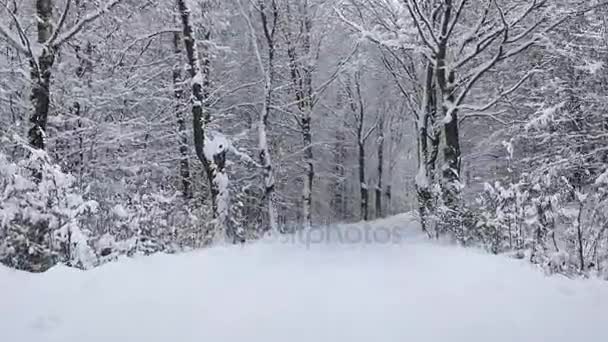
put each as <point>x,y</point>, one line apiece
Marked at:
<point>364,288</point>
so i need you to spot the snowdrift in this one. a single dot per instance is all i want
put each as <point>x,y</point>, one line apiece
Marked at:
<point>338,285</point>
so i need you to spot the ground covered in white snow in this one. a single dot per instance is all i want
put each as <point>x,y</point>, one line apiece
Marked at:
<point>377,291</point>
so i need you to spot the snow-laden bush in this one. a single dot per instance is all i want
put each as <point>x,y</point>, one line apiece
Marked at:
<point>507,217</point>
<point>139,223</point>
<point>39,214</point>
<point>545,218</point>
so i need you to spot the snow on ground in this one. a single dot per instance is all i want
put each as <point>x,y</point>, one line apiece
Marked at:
<point>363,288</point>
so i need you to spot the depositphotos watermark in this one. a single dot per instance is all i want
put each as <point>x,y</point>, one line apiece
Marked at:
<point>347,235</point>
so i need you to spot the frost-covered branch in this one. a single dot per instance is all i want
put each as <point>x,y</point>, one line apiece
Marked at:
<point>61,22</point>
<point>59,39</point>
<point>13,41</point>
<point>502,95</point>
<point>22,44</point>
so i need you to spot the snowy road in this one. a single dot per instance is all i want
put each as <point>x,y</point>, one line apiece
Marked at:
<point>378,291</point>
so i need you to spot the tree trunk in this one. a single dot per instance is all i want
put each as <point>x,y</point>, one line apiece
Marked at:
<point>451,148</point>
<point>184,162</point>
<point>579,238</point>
<point>310,170</point>
<point>40,259</point>
<point>426,159</point>
<point>214,159</point>
<point>41,76</point>
<point>445,81</point>
<point>307,119</point>
<point>362,183</point>
<point>301,77</point>
<point>379,212</point>
<point>358,110</point>
<point>339,169</point>
<point>388,192</point>
<point>265,157</point>
<point>302,81</point>
<point>395,134</point>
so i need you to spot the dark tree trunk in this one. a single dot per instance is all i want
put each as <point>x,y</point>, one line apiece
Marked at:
<point>215,165</point>
<point>338,187</point>
<point>39,257</point>
<point>379,212</point>
<point>445,81</point>
<point>451,150</point>
<point>357,108</point>
<point>184,162</point>
<point>452,218</point>
<point>579,238</point>
<point>389,199</point>
<point>41,76</point>
<point>363,185</point>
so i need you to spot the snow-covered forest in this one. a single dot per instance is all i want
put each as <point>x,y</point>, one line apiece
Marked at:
<point>141,126</point>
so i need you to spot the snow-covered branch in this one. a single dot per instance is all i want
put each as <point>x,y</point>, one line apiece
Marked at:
<point>59,39</point>
<point>22,43</point>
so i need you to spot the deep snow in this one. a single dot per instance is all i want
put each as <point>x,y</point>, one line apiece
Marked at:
<point>414,290</point>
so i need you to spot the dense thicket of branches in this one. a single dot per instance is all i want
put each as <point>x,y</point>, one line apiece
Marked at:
<point>144,126</point>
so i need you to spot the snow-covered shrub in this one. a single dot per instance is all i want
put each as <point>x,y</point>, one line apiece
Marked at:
<point>451,216</point>
<point>109,249</point>
<point>147,223</point>
<point>518,217</point>
<point>39,214</point>
<point>248,213</point>
<point>558,226</point>
<point>502,217</point>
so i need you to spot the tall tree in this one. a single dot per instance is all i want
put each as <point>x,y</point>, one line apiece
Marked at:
<point>51,39</point>
<point>380,164</point>
<point>358,110</point>
<point>269,23</point>
<point>463,42</point>
<point>184,162</point>
<point>301,54</point>
<point>211,152</point>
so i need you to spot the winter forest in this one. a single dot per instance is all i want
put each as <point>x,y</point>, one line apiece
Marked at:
<point>133,127</point>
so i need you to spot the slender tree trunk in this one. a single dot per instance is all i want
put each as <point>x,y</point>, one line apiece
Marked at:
<point>388,192</point>
<point>425,158</point>
<point>339,169</point>
<point>362,183</point>
<point>265,157</point>
<point>41,76</point>
<point>214,159</point>
<point>307,119</point>
<point>379,212</point>
<point>302,81</point>
<point>358,110</point>
<point>310,169</point>
<point>579,238</point>
<point>301,77</point>
<point>269,26</point>
<point>393,142</point>
<point>178,91</point>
